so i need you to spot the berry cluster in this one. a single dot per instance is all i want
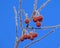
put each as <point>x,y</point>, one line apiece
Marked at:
<point>30,36</point>
<point>38,20</point>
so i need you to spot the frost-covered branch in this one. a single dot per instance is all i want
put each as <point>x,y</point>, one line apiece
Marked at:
<point>34,9</point>
<point>44,4</point>
<point>16,20</point>
<point>20,13</point>
<point>35,4</point>
<point>45,27</point>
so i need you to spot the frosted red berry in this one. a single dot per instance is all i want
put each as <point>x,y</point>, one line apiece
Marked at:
<point>35,19</point>
<point>35,35</point>
<point>31,37</point>
<point>38,24</point>
<point>25,36</point>
<point>40,18</point>
<point>26,20</point>
<point>22,38</point>
<point>28,36</point>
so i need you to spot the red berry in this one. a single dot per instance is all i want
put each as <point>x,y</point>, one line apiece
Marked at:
<point>35,19</point>
<point>40,18</point>
<point>26,20</point>
<point>38,24</point>
<point>22,38</point>
<point>28,37</point>
<point>34,35</point>
<point>31,36</point>
<point>25,36</point>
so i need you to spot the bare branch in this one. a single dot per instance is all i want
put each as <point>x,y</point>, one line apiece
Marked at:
<point>34,10</point>
<point>20,13</point>
<point>39,39</point>
<point>16,45</point>
<point>15,15</point>
<point>16,20</point>
<point>25,14</point>
<point>44,4</point>
<point>35,4</point>
<point>45,27</point>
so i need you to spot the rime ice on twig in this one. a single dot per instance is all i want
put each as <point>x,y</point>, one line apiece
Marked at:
<point>35,4</point>
<point>34,9</point>
<point>44,4</point>
<point>20,14</point>
<point>39,39</point>
<point>45,27</point>
<point>56,26</point>
<point>16,20</point>
<point>25,14</point>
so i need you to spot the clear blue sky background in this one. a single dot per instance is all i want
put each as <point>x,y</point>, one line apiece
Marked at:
<point>51,14</point>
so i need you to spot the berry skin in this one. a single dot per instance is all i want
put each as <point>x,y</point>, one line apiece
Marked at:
<point>38,24</point>
<point>26,20</point>
<point>28,37</point>
<point>35,35</point>
<point>25,36</point>
<point>35,19</point>
<point>31,36</point>
<point>40,18</point>
<point>22,38</point>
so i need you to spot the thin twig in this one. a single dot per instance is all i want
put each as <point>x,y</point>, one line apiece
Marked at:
<point>45,27</point>
<point>35,4</point>
<point>34,10</point>
<point>44,4</point>
<point>16,20</point>
<point>39,39</point>
<point>20,14</point>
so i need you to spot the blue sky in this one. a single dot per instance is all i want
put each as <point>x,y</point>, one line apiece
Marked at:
<point>51,14</point>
